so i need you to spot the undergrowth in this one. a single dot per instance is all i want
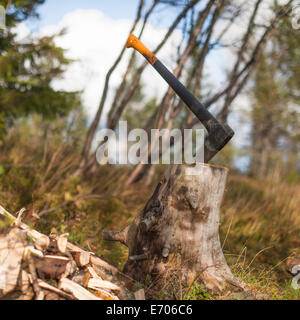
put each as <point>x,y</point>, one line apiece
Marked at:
<point>260,220</point>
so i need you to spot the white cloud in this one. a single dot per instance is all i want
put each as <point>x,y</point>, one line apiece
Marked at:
<point>21,31</point>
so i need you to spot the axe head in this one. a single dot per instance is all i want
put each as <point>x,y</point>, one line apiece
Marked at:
<point>218,136</point>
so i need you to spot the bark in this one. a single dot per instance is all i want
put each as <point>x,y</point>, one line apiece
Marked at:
<point>179,228</point>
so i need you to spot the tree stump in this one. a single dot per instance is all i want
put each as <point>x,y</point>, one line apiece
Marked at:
<point>180,223</point>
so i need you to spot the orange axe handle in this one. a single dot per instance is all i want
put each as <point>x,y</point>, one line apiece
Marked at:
<point>134,42</point>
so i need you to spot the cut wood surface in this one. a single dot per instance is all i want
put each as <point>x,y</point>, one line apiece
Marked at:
<point>81,258</point>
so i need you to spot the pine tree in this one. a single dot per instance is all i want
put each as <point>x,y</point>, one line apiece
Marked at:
<point>27,68</point>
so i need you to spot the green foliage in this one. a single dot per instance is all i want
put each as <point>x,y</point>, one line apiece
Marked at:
<point>27,69</point>
<point>197,292</point>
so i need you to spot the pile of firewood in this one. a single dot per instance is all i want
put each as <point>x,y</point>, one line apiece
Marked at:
<point>36,266</point>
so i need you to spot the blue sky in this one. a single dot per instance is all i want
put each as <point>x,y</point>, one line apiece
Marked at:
<point>53,10</point>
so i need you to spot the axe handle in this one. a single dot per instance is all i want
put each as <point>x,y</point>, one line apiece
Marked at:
<point>218,134</point>
<point>205,117</point>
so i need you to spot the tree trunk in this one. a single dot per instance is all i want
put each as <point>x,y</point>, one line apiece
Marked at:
<point>180,226</point>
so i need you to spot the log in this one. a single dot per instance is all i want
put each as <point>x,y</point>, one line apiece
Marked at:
<point>180,226</point>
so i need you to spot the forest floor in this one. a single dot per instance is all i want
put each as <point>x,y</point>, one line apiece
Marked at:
<point>259,230</point>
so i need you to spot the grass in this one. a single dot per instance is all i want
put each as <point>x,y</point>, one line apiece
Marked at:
<point>260,220</point>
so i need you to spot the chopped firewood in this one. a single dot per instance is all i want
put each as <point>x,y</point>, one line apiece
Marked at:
<point>47,286</point>
<point>81,258</point>
<point>97,283</point>
<point>32,264</point>
<point>23,281</point>
<point>76,290</point>
<point>140,295</point>
<point>71,267</point>
<point>62,244</point>
<point>101,263</point>
<point>12,248</point>
<point>53,266</point>
<point>79,277</point>
<point>24,285</point>
<point>93,273</point>
<point>95,260</point>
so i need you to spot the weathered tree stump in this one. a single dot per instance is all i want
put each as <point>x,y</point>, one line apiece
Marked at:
<point>180,223</point>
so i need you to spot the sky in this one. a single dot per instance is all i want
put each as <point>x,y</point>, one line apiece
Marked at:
<point>96,32</point>
<point>53,11</point>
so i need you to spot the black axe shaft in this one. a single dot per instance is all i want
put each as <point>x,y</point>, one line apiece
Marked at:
<point>218,134</point>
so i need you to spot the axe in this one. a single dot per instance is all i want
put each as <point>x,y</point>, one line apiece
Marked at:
<point>218,134</point>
